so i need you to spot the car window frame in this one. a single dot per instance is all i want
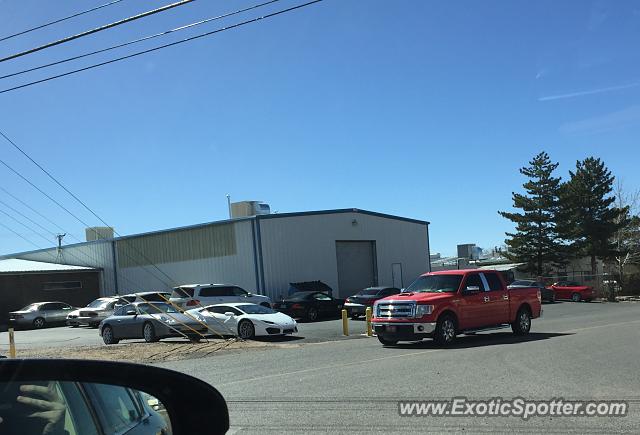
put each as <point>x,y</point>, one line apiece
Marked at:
<point>473,275</point>
<point>97,402</point>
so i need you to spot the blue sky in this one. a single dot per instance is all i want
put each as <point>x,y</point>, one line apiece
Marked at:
<point>424,109</point>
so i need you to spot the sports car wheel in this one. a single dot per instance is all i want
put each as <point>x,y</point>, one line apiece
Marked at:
<point>149,333</point>
<point>246,330</point>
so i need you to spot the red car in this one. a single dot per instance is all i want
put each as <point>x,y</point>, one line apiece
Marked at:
<point>573,291</point>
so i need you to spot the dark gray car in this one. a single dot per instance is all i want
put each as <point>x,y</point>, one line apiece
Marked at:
<point>548,295</point>
<point>151,321</point>
<point>41,314</point>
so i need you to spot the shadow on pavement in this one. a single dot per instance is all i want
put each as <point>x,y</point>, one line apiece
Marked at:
<point>278,338</point>
<point>478,340</point>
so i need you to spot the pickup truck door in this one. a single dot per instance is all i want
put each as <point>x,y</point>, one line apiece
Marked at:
<point>473,307</point>
<point>498,294</point>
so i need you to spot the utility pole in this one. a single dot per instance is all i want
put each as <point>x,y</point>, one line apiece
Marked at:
<point>229,204</point>
<point>59,249</point>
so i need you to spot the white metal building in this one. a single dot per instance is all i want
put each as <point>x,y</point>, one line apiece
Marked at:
<point>348,249</point>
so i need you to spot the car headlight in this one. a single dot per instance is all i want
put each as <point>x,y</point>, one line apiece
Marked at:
<point>167,319</point>
<point>423,310</point>
<point>269,322</point>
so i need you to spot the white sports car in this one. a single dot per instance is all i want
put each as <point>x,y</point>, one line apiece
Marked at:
<point>246,320</point>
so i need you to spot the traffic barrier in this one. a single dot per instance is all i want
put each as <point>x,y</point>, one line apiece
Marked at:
<point>368,313</point>
<point>345,323</point>
<point>12,344</point>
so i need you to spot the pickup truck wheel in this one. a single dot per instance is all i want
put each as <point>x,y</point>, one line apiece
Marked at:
<point>445,331</point>
<point>522,325</point>
<point>386,342</point>
<point>576,297</point>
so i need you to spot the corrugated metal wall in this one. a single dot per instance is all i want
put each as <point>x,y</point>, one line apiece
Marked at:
<point>94,254</point>
<point>215,253</point>
<point>294,248</point>
<point>303,248</point>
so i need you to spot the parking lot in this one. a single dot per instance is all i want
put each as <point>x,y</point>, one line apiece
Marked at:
<point>575,351</point>
<point>66,338</point>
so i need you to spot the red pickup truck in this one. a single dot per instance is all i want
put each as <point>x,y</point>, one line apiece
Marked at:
<point>440,305</point>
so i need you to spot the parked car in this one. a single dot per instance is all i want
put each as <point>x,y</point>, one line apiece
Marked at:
<point>196,295</point>
<point>358,303</point>
<point>310,305</point>
<point>41,314</point>
<point>146,297</point>
<point>440,305</point>
<point>247,320</point>
<point>151,321</point>
<point>95,312</point>
<point>573,291</point>
<point>548,294</point>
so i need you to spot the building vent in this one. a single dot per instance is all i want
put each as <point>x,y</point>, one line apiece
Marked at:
<point>98,233</point>
<point>249,208</point>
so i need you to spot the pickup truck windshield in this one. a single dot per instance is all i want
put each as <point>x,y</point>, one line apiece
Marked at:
<point>435,284</point>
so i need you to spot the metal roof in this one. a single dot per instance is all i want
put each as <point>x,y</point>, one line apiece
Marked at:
<point>501,267</point>
<point>15,265</point>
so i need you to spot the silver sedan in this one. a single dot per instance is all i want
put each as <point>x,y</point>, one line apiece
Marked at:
<point>151,321</point>
<point>40,314</point>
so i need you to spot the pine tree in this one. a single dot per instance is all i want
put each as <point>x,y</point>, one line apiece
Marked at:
<point>589,218</point>
<point>536,242</point>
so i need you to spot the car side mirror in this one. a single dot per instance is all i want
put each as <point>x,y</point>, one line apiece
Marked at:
<point>229,314</point>
<point>472,289</point>
<point>169,398</point>
<point>131,313</point>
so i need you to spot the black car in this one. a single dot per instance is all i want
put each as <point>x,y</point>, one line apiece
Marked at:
<point>548,295</point>
<point>310,305</point>
<point>358,303</point>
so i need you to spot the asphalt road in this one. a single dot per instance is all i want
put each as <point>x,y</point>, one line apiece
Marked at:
<point>65,336</point>
<point>577,351</point>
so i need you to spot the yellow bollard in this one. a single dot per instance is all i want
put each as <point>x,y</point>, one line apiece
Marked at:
<point>12,344</point>
<point>345,323</point>
<point>368,313</point>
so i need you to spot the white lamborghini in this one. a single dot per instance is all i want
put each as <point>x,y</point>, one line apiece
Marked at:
<point>246,320</point>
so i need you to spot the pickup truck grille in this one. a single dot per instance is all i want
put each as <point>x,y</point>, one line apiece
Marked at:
<point>393,309</point>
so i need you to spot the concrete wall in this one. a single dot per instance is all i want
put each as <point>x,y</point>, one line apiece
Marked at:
<point>303,248</point>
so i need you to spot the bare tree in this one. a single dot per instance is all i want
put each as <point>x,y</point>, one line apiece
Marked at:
<point>627,238</point>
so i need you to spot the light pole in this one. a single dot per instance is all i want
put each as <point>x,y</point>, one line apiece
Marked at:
<point>229,204</point>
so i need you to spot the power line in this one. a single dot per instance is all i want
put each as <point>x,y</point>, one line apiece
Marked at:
<point>72,214</point>
<point>20,235</point>
<point>42,192</point>
<point>202,35</point>
<point>59,20</point>
<point>25,225</point>
<point>97,29</point>
<point>135,41</point>
<point>55,180</point>
<point>26,217</point>
<point>37,212</point>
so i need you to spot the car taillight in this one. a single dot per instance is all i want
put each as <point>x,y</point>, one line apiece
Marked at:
<point>348,300</point>
<point>17,316</point>
<point>296,306</point>
<point>539,296</point>
<point>193,303</point>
